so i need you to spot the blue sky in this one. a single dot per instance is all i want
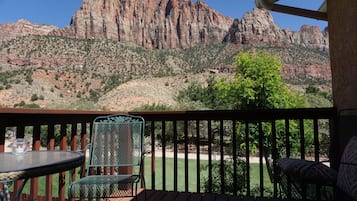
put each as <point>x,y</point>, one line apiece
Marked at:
<point>59,12</point>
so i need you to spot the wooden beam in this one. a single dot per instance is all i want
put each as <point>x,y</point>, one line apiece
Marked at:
<point>299,12</point>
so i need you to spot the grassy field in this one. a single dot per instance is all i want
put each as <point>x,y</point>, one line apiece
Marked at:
<point>169,176</point>
<point>192,175</point>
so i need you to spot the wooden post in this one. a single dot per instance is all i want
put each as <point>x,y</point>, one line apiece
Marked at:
<point>125,146</point>
<point>342,15</point>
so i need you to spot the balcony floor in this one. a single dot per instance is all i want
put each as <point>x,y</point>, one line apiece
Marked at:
<point>182,196</point>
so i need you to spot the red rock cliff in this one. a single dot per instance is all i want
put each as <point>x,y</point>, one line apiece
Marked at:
<point>22,28</point>
<point>170,24</point>
<point>149,23</point>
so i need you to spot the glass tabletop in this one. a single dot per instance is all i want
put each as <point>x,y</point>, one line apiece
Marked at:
<point>40,162</point>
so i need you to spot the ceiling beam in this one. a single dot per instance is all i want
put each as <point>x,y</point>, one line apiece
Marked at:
<point>299,12</point>
<point>270,5</point>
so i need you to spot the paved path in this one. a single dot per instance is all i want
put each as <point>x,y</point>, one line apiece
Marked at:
<point>215,156</point>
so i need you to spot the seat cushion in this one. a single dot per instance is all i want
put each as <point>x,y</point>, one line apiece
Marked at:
<point>308,171</point>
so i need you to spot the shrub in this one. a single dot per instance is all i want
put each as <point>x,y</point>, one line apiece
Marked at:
<point>34,97</point>
<point>228,185</point>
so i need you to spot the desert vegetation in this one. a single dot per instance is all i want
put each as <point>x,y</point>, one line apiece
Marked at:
<point>84,70</point>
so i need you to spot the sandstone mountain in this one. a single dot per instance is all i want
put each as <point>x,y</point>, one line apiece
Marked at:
<point>161,24</point>
<point>116,47</point>
<point>23,28</point>
<point>180,24</point>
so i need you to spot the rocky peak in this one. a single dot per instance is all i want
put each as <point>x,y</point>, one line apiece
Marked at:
<point>160,24</point>
<point>22,28</point>
<point>255,26</point>
<point>258,26</point>
<point>311,36</point>
<point>151,24</point>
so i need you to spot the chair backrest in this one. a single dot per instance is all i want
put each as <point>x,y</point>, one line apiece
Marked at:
<point>117,142</point>
<point>269,161</point>
<point>347,172</point>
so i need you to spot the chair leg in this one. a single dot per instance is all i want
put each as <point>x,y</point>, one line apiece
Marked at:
<point>145,194</point>
<point>136,191</point>
<point>143,180</point>
<point>132,190</point>
<point>5,194</point>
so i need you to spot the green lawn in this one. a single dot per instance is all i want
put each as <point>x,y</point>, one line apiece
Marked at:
<point>192,176</point>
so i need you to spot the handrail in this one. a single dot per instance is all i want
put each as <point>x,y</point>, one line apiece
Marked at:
<point>196,135</point>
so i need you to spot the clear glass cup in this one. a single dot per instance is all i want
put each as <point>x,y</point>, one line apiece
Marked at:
<point>19,146</point>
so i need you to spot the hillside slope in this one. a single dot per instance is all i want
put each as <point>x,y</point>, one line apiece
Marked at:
<point>62,72</point>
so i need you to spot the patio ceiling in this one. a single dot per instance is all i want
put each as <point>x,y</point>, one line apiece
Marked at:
<point>319,14</point>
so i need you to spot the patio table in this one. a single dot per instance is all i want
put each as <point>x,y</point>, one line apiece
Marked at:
<point>34,164</point>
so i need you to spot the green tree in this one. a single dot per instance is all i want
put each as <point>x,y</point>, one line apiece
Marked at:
<point>153,107</point>
<point>258,84</point>
<point>34,97</point>
<point>207,95</point>
<point>158,126</point>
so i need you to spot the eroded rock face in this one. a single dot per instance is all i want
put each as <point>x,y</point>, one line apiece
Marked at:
<point>151,24</point>
<point>311,36</point>
<point>181,24</point>
<point>22,28</point>
<point>160,24</point>
<point>258,27</point>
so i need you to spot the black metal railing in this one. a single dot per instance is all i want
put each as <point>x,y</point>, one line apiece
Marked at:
<point>232,138</point>
<point>190,151</point>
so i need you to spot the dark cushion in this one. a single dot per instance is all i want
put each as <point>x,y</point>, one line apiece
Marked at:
<point>306,171</point>
<point>347,172</point>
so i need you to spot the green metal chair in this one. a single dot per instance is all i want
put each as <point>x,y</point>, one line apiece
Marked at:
<point>116,157</point>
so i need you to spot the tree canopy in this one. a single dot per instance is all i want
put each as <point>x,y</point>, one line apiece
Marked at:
<point>257,84</point>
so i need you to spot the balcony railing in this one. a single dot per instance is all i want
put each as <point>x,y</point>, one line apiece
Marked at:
<point>188,151</point>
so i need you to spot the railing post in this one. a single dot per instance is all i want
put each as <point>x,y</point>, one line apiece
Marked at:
<point>62,175</point>
<point>2,144</point>
<point>302,139</point>
<point>73,140</point>
<point>186,155</point>
<point>221,150</point>
<point>84,145</point>
<point>234,148</point>
<point>274,156</point>
<point>36,144</point>
<point>209,155</point>
<point>175,155</point>
<point>198,172</point>
<point>152,130</point>
<point>261,173</point>
<point>20,133</point>
<point>163,147</point>
<point>247,153</point>
<point>2,137</point>
<point>50,146</point>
